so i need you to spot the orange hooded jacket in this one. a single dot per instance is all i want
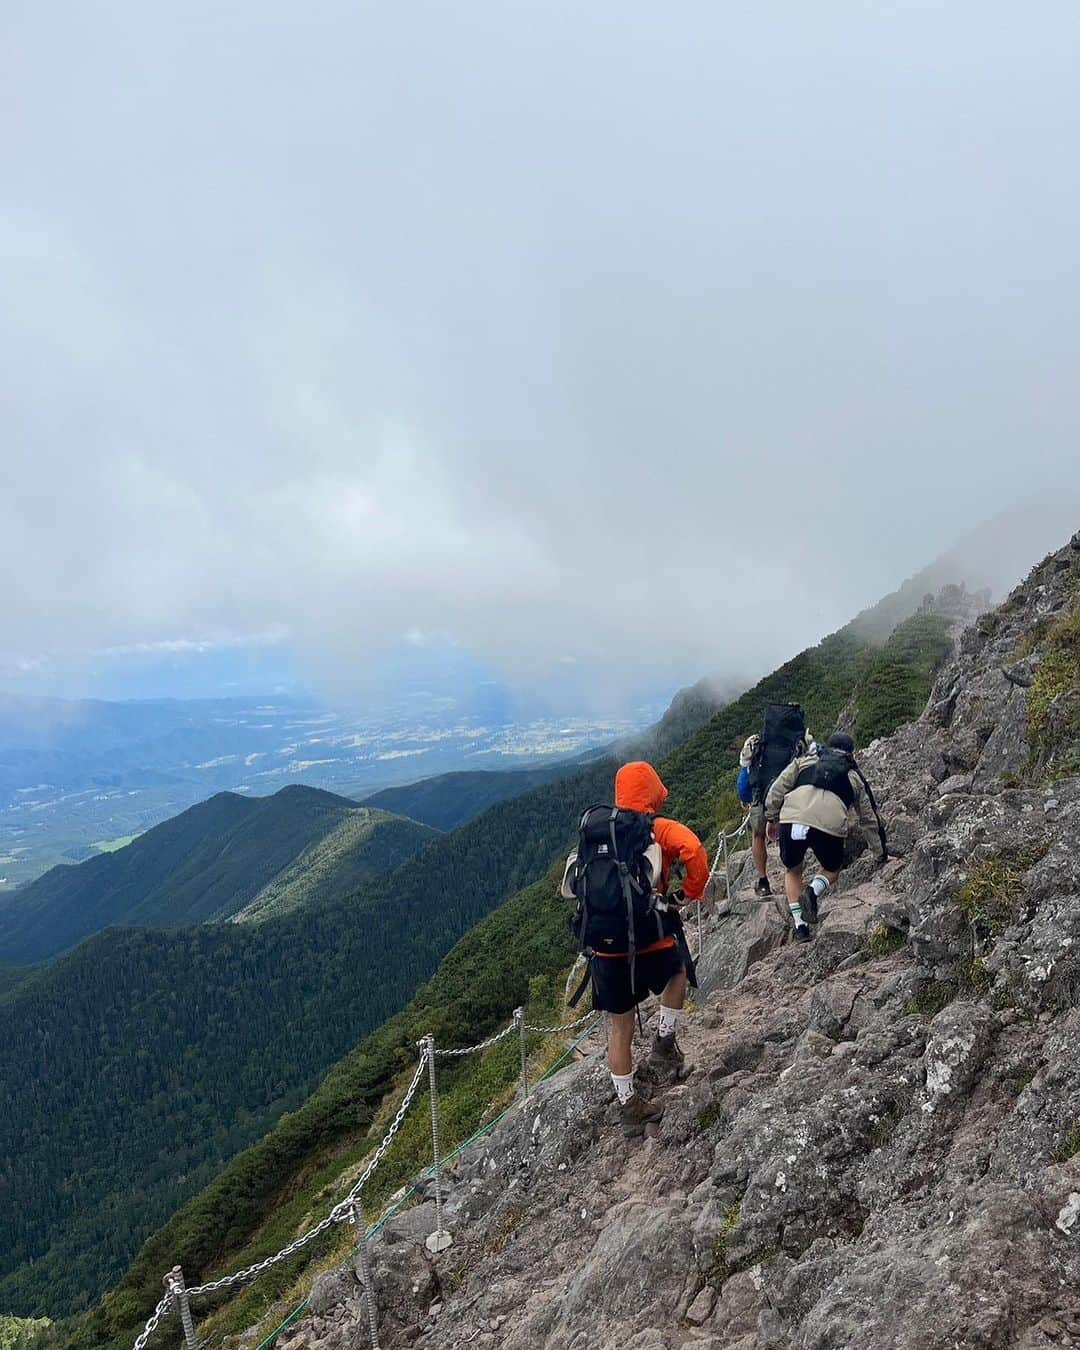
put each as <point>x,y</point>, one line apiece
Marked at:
<point>638,787</point>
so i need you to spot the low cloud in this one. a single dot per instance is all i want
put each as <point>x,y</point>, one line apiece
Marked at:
<point>659,342</point>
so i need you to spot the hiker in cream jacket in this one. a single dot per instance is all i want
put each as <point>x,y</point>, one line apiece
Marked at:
<point>809,807</point>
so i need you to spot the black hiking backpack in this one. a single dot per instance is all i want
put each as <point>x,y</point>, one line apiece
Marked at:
<point>783,735</point>
<point>613,883</point>
<point>830,773</point>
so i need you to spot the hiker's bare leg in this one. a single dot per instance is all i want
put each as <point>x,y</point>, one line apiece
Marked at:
<point>761,854</point>
<point>674,995</point>
<point>620,1042</point>
<point>793,885</point>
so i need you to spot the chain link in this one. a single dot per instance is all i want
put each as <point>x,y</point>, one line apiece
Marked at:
<point>162,1310</point>
<point>340,1212</point>
<point>344,1209</point>
<point>481,1045</point>
<point>568,1026</point>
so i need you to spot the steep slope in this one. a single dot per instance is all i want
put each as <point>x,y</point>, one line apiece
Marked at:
<point>266,1193</point>
<point>878,1143</point>
<point>203,864</point>
<point>181,1046</point>
<point>363,844</point>
<point>450,799</point>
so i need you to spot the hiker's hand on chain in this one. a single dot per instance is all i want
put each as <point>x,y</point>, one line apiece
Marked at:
<point>772,831</point>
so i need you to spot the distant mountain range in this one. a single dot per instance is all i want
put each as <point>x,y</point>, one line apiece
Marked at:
<point>181,1046</point>
<point>231,855</point>
<point>518,950</point>
<point>450,799</point>
<point>79,778</point>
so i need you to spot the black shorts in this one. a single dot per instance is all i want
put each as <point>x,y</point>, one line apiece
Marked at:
<point>828,848</point>
<point>611,978</point>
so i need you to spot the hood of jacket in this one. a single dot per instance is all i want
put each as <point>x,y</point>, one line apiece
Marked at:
<point>638,788</point>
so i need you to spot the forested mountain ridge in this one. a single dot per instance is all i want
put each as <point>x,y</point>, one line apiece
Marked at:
<point>181,1046</point>
<point>450,799</point>
<point>265,1193</point>
<point>364,843</point>
<point>204,864</point>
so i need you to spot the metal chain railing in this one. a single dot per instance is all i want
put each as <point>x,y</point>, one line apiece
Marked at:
<point>508,1030</point>
<point>566,1026</point>
<point>177,1297</point>
<point>163,1309</point>
<point>339,1213</point>
<point>722,854</point>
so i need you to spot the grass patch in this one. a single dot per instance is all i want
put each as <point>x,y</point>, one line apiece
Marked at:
<point>710,1115</point>
<point>883,941</point>
<point>974,976</point>
<point>1071,1146</point>
<point>990,898</point>
<point>719,1266</point>
<point>1058,671</point>
<point>1017,1082</point>
<point>883,1129</point>
<point>930,1000</point>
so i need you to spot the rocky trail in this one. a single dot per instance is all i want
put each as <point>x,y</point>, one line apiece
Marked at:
<point>878,1143</point>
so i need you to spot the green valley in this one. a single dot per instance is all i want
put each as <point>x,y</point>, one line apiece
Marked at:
<point>266,1192</point>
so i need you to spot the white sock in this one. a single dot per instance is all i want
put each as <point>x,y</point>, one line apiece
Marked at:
<point>669,1020</point>
<point>624,1086</point>
<point>796,913</point>
<point>819,885</point>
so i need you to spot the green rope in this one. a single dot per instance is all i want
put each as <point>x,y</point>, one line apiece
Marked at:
<point>399,1206</point>
<point>279,1329</point>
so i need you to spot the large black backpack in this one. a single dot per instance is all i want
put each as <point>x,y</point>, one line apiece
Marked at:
<point>783,734</point>
<point>613,884</point>
<point>831,773</point>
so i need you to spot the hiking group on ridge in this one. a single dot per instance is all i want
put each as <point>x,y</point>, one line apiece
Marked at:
<point>627,922</point>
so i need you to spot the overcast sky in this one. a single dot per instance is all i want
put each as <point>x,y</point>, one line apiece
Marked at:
<point>666,336</point>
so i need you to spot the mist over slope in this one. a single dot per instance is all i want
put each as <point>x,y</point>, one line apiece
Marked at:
<point>238,1219</point>
<point>878,1140</point>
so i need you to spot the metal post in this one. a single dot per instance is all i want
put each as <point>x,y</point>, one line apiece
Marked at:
<point>357,1217</point>
<point>174,1283</point>
<point>519,1018</point>
<point>440,1239</point>
<point>727,864</point>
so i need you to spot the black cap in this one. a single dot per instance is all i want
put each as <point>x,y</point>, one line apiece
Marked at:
<point>840,740</point>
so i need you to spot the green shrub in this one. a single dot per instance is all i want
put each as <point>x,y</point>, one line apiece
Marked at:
<point>1071,1146</point>
<point>930,1000</point>
<point>1058,671</point>
<point>883,941</point>
<point>974,976</point>
<point>990,898</point>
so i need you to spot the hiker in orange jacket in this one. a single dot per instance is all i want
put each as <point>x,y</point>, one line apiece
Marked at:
<point>661,967</point>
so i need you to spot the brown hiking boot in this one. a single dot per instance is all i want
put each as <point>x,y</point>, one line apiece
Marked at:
<point>636,1113</point>
<point>666,1060</point>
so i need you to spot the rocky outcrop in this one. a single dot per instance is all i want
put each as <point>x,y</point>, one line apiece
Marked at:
<point>878,1144</point>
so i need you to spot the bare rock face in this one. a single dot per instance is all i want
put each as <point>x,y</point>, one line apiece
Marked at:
<point>959,1041</point>
<point>878,1143</point>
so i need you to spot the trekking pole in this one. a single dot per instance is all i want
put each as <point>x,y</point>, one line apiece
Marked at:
<point>440,1239</point>
<point>356,1216</point>
<point>699,942</point>
<point>727,863</point>
<point>519,1018</point>
<point>174,1283</point>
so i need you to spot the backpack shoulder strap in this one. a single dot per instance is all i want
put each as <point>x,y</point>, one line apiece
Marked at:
<point>873,807</point>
